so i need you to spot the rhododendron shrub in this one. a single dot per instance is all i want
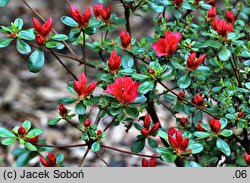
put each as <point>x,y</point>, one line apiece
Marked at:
<point>195,64</point>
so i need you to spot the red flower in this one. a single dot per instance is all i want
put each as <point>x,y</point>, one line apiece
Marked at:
<point>230,17</point>
<point>168,45</point>
<point>211,2</point>
<point>193,63</point>
<point>215,125</point>
<point>151,163</point>
<point>178,3</point>
<point>199,127</point>
<point>102,13</point>
<point>114,62</point>
<point>211,14</point>
<point>81,19</point>
<point>42,30</point>
<point>124,89</point>
<point>21,130</point>
<point>33,140</point>
<point>240,114</point>
<point>63,111</point>
<point>50,162</point>
<point>183,121</point>
<point>198,100</point>
<point>222,27</point>
<point>99,132</point>
<point>125,40</point>
<point>151,72</point>
<point>81,87</point>
<point>146,131</point>
<point>87,123</point>
<point>179,143</point>
<point>247,159</point>
<point>180,96</point>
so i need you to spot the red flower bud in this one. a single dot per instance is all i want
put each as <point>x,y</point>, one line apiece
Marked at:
<point>180,96</point>
<point>178,3</point>
<point>215,125</point>
<point>154,128</point>
<point>21,130</point>
<point>63,111</point>
<point>51,162</point>
<point>144,132</point>
<point>44,29</point>
<point>11,35</point>
<point>144,162</point>
<point>125,40</point>
<point>33,140</point>
<point>211,2</point>
<point>193,63</point>
<point>40,39</point>
<point>247,159</point>
<point>124,89</point>
<point>102,13</point>
<point>199,127</point>
<point>240,114</point>
<point>198,100</point>
<point>152,161</point>
<point>114,62</point>
<point>222,27</point>
<point>87,122</point>
<point>147,121</point>
<point>183,121</point>
<point>99,132</point>
<point>168,45</point>
<point>151,71</point>
<point>81,19</point>
<point>211,14</point>
<point>81,87</point>
<point>230,17</point>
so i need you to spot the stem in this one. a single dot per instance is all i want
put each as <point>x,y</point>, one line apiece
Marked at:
<point>198,107</point>
<point>110,123</point>
<point>97,120</point>
<point>75,126</point>
<point>84,157</point>
<point>84,56</point>
<point>127,16</point>
<point>234,66</point>
<point>245,142</point>
<point>102,160</point>
<point>37,14</point>
<point>128,152</point>
<point>53,53</point>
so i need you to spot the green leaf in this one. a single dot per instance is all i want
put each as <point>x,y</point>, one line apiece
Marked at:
<point>202,135</point>
<point>224,54</point>
<point>184,81</point>
<point>54,44</point>
<point>4,3</point>
<point>18,23</point>
<point>247,85</point>
<point>30,147</point>
<point>23,159</point>
<point>80,108</point>
<point>223,147</point>
<point>90,30</point>
<point>145,87</point>
<point>226,133</point>
<point>177,65</point>
<point>95,146</point>
<point>191,164</point>
<point>127,61</point>
<point>59,37</point>
<point>132,111</point>
<point>177,14</point>
<point>140,99</point>
<point>5,42</point>
<point>67,100</point>
<point>205,126</point>
<point>84,136</point>
<point>8,141</point>
<point>69,21</point>
<point>139,77</point>
<point>59,158</point>
<point>162,134</point>
<point>23,47</point>
<point>196,148</point>
<point>4,133</point>
<point>223,122</point>
<point>210,43</point>
<point>36,61</point>
<point>27,125</point>
<point>138,145</point>
<point>169,157</point>
<point>27,34</point>
<point>152,143</point>
<point>54,121</point>
<point>34,132</point>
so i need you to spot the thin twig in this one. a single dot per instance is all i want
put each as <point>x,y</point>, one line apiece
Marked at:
<point>84,157</point>
<point>84,56</point>
<point>60,147</point>
<point>75,126</point>
<point>128,152</point>
<point>102,160</point>
<point>110,123</point>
